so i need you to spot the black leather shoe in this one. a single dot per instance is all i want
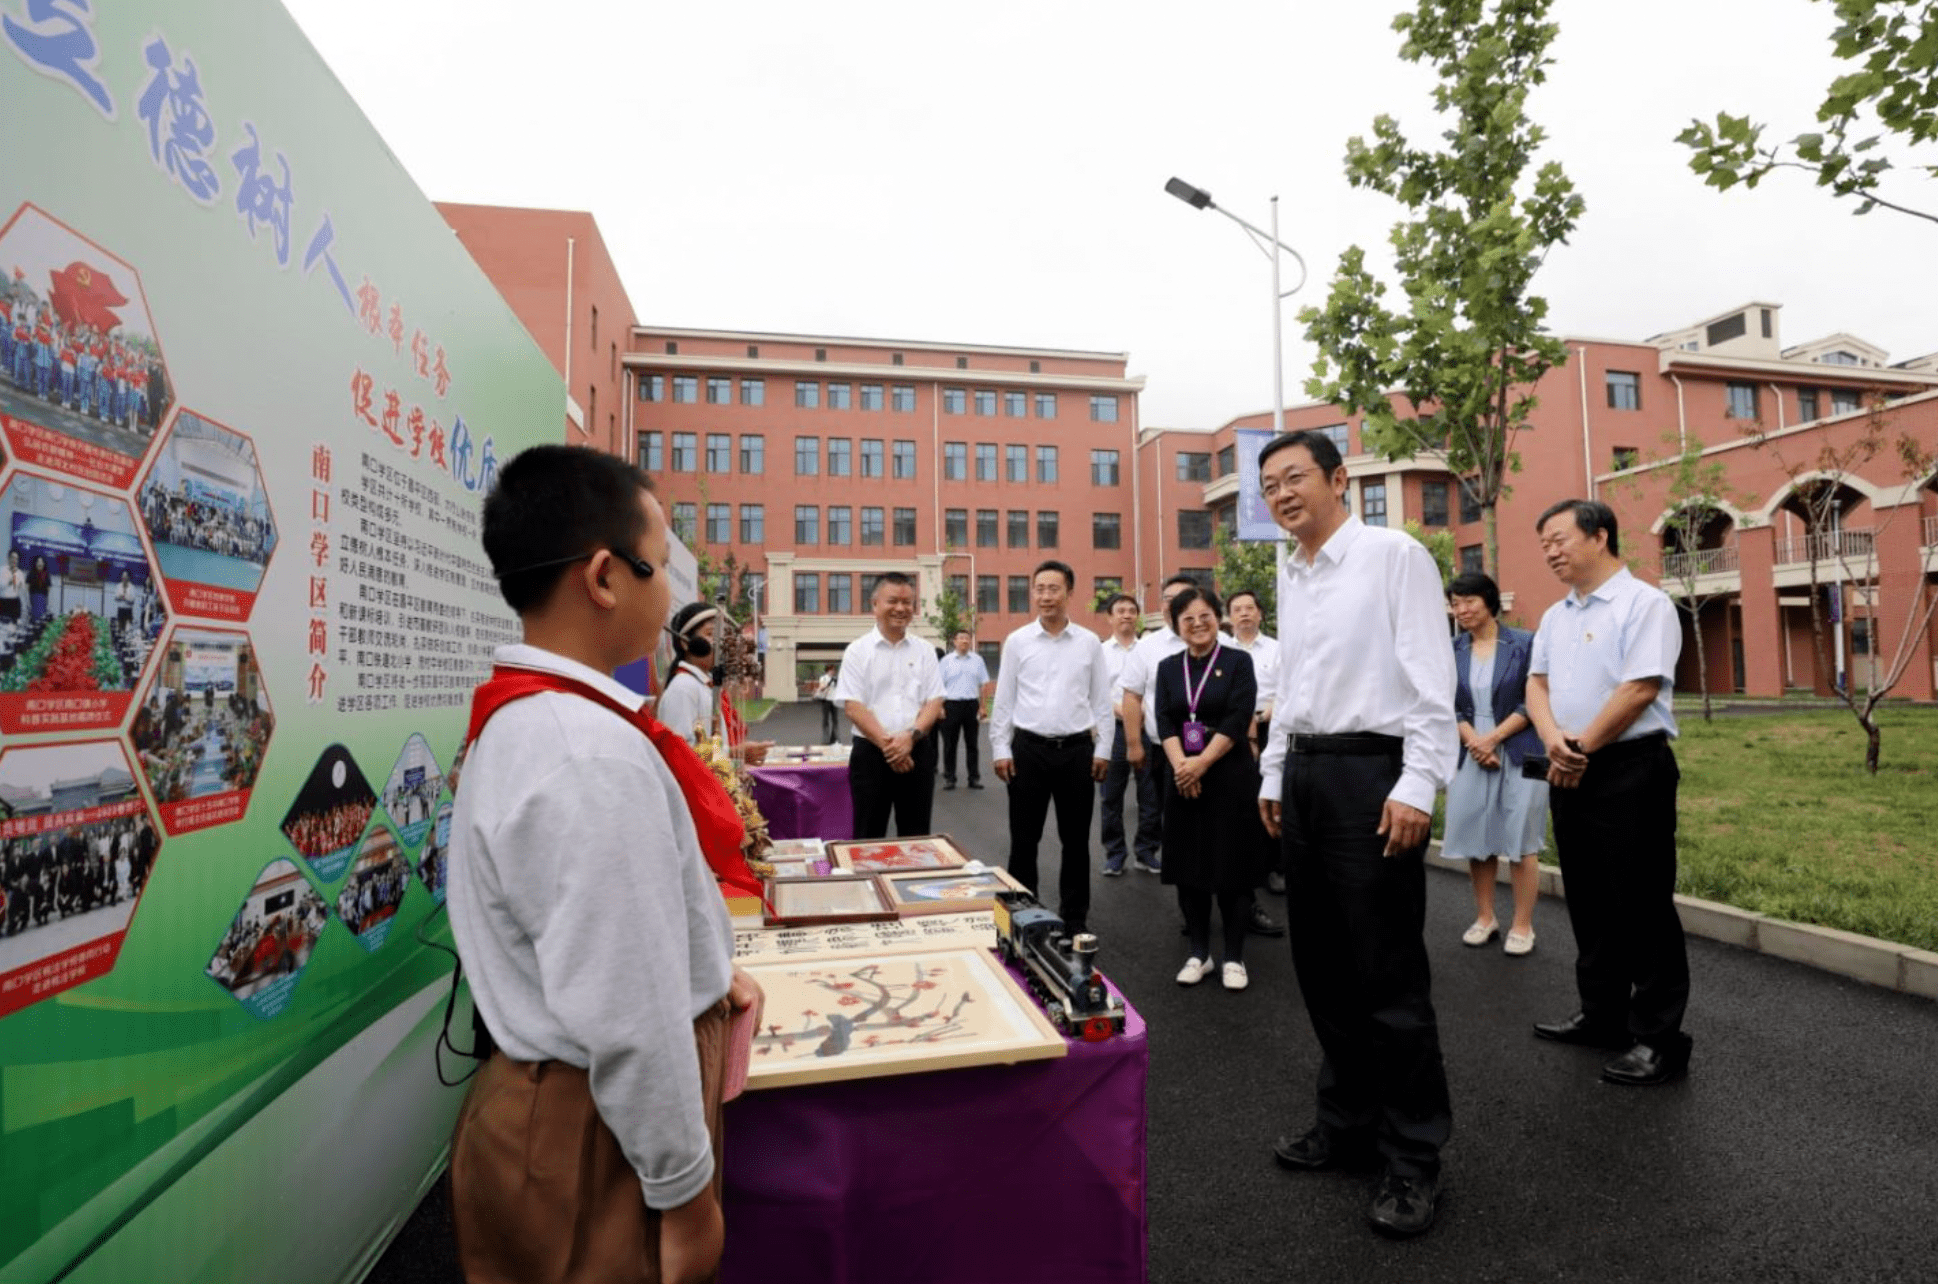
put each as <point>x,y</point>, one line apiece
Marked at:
<point>1646,1065</point>
<point>1578,1030</point>
<point>1403,1206</point>
<point>1309,1153</point>
<point>1275,883</point>
<point>975,784</point>
<point>1264,924</point>
<point>948,785</point>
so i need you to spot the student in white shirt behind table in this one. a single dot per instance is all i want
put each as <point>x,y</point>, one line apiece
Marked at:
<point>891,689</point>
<point>686,700</point>
<point>1049,733</point>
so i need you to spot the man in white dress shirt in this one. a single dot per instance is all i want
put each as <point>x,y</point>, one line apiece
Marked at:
<point>964,675</point>
<point>1048,737</point>
<point>1123,613</point>
<point>891,688</point>
<point>1362,738</point>
<point>1246,615</point>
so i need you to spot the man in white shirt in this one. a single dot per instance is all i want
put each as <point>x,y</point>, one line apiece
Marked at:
<point>964,675</point>
<point>594,937</point>
<point>686,701</point>
<point>1362,737</point>
<point>1245,613</point>
<point>1599,684</point>
<point>1123,613</point>
<point>891,689</point>
<point>1047,733</point>
<point>824,696</point>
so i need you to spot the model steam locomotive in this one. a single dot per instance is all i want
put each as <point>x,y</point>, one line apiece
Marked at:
<point>1061,969</point>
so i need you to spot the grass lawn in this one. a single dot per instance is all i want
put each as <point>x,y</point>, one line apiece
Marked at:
<point>1779,816</point>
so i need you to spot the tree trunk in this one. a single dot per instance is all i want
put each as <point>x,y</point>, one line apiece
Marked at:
<point>1872,741</point>
<point>1491,540</point>
<point>1702,663</point>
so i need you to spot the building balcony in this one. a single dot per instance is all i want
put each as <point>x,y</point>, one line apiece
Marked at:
<point>1683,567</point>
<point>1829,555</point>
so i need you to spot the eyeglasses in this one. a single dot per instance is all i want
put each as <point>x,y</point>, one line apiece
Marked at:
<point>640,566</point>
<point>1272,485</point>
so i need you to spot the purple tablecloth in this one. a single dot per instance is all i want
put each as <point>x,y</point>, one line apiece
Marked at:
<point>801,801</point>
<point>1013,1173</point>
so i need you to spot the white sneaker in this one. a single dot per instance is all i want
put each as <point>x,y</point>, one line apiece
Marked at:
<point>1518,944</point>
<point>1195,970</point>
<point>1480,933</point>
<point>1235,977</point>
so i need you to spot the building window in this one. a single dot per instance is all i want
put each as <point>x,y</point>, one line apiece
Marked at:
<point>652,451</point>
<point>652,388</point>
<point>753,454</point>
<point>955,401</point>
<point>595,329</point>
<point>807,593</point>
<point>955,461</point>
<point>719,390</point>
<point>1194,528</point>
<point>1742,401</point>
<point>959,588</point>
<point>1019,527</point>
<point>1106,530</point>
<point>985,528</point>
<point>868,583</point>
<point>871,457</point>
<point>1019,595</point>
<point>1194,466</point>
<point>1843,401</point>
<point>1470,499</point>
<point>871,396</point>
<point>807,394</point>
<point>753,523</point>
<point>685,518</point>
<point>1806,404</point>
<point>955,528</point>
<point>1372,503</point>
<point>905,528</point>
<point>807,456</point>
<point>1103,408</point>
<point>1016,463</point>
<point>1103,468</point>
<point>904,460</point>
<point>1046,464</point>
<point>1046,528</point>
<point>871,527</point>
<point>962,363</point>
<point>719,452</point>
<point>807,525</point>
<point>895,359</point>
<point>841,589</point>
<point>987,600</point>
<point>592,405</point>
<point>1433,503</point>
<point>1226,517</point>
<point>1204,577</point>
<point>753,351</point>
<point>1227,460</point>
<point>902,396</point>
<point>1626,457</point>
<point>686,452</point>
<point>672,348</point>
<point>1624,390</point>
<point>686,389</point>
<point>820,354</point>
<point>1016,405</point>
<point>841,396</point>
<point>1472,559</point>
<point>985,402</point>
<point>841,457</point>
<point>1730,327</point>
<point>1341,436</point>
<point>719,523</point>
<point>841,523</point>
<point>753,392</point>
<point>992,656</point>
<point>1046,405</point>
<point>985,461</point>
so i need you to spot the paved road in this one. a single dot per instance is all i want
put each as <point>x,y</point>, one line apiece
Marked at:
<point>1804,1146</point>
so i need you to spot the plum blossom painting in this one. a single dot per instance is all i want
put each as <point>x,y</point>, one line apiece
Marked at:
<point>858,1018</point>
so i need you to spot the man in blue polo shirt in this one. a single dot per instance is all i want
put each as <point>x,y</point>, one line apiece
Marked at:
<point>963,677</point>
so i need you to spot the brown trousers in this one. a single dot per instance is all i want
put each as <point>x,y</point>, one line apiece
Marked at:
<point>541,1193</point>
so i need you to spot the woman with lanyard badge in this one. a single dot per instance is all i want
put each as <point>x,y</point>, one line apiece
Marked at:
<point>1205,697</point>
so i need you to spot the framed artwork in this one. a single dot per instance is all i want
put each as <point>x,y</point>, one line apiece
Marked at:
<point>800,902</point>
<point>947,891</point>
<point>859,1018</point>
<point>931,851</point>
<point>796,849</point>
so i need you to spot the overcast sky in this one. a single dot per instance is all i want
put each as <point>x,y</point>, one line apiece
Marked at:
<point>994,173</point>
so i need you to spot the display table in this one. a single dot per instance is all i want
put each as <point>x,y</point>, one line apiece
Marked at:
<point>804,800</point>
<point>1013,1173</point>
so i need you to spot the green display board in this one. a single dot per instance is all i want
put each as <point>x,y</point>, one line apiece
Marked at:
<point>252,393</point>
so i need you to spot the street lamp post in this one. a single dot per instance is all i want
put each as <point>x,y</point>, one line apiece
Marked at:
<point>1269,245</point>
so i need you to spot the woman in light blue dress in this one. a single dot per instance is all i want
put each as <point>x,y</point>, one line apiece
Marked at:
<point>1493,812</point>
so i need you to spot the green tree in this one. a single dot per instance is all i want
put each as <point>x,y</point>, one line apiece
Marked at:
<point>949,615</point>
<point>1466,349</point>
<point>1890,94</point>
<point>1698,488</point>
<point>1440,544</point>
<point>1249,564</point>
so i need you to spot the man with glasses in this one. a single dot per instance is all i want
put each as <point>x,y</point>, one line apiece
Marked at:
<point>891,688</point>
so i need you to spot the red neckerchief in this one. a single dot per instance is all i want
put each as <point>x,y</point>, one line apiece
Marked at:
<point>715,818</point>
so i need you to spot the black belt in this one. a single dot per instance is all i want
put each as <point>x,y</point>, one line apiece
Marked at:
<point>1054,742</point>
<point>1630,748</point>
<point>1357,743</point>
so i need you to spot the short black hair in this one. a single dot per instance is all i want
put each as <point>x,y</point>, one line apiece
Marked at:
<point>1196,593</point>
<point>1061,568</point>
<point>1179,578</point>
<point>961,633</point>
<point>1591,515</point>
<point>1233,600</point>
<point>1325,451</point>
<point>897,578</point>
<point>1110,603</point>
<point>553,504</point>
<point>1477,584</point>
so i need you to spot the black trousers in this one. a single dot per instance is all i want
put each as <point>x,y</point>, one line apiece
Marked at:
<point>878,790</point>
<point>1616,837</point>
<point>1053,771</point>
<point>1150,811</point>
<point>959,720</point>
<point>1357,918</point>
<point>830,722</point>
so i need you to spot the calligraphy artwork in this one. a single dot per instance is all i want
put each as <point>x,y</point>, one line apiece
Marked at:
<point>932,851</point>
<point>894,1014</point>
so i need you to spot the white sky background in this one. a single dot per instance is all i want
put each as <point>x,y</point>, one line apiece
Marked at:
<point>994,173</point>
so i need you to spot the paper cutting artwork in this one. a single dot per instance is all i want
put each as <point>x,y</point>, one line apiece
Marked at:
<point>936,852</point>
